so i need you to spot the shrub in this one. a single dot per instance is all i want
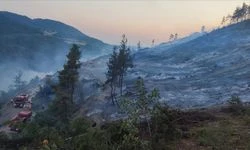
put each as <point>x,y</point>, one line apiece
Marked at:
<point>234,100</point>
<point>80,125</point>
<point>235,105</point>
<point>165,126</point>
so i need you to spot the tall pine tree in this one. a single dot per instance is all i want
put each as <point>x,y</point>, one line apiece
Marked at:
<point>117,67</point>
<point>68,77</point>
<point>112,74</point>
<point>124,61</point>
<point>18,82</point>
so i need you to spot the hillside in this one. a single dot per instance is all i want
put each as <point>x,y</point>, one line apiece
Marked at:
<point>191,73</point>
<point>203,71</point>
<point>40,45</point>
<point>200,72</point>
<point>195,76</point>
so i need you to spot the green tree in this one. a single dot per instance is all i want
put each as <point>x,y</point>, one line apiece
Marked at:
<point>171,37</point>
<point>124,61</point>
<point>244,11</point>
<point>223,21</point>
<point>248,12</point>
<point>175,36</point>
<point>64,91</point>
<point>203,29</point>
<point>139,45</point>
<point>142,106</point>
<point>240,13</point>
<point>112,73</point>
<point>118,65</point>
<point>18,81</point>
<point>144,100</point>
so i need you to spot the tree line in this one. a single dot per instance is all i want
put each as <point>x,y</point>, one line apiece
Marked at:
<point>240,14</point>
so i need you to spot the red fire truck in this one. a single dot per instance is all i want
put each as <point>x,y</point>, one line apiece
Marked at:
<point>20,100</point>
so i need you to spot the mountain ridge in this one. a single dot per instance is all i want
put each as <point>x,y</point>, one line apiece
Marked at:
<point>40,45</point>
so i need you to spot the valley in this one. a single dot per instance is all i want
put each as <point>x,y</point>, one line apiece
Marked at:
<point>63,89</point>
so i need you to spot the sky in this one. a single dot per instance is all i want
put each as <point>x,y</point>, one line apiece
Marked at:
<point>140,20</point>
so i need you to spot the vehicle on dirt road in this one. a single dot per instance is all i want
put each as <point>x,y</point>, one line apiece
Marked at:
<point>22,116</point>
<point>20,100</point>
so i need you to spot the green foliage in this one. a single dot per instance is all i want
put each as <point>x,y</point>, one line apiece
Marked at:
<point>143,98</point>
<point>141,106</point>
<point>34,80</point>
<point>29,130</point>
<point>217,137</point>
<point>95,139</point>
<point>235,105</point>
<point>19,84</point>
<point>124,60</point>
<point>80,125</point>
<point>117,67</point>
<point>142,102</point>
<point>125,135</point>
<point>165,125</point>
<point>3,97</point>
<point>45,118</point>
<point>55,137</point>
<point>239,14</point>
<point>131,140</point>
<point>63,104</point>
<point>3,136</point>
<point>44,95</point>
<point>112,73</point>
<point>235,100</point>
<point>138,110</point>
<point>139,45</point>
<point>36,134</point>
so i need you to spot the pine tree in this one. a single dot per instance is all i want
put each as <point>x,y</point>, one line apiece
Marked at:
<point>18,82</point>
<point>139,45</point>
<point>223,20</point>
<point>145,99</point>
<point>236,15</point>
<point>140,107</point>
<point>153,42</point>
<point>248,12</point>
<point>175,36</point>
<point>240,13</point>
<point>171,37</point>
<point>112,73</point>
<point>124,61</point>
<point>68,77</point>
<point>117,67</point>
<point>244,11</point>
<point>203,28</point>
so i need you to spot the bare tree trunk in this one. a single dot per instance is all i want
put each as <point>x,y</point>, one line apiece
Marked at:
<point>72,94</point>
<point>149,128</point>
<point>146,111</point>
<point>121,84</point>
<point>112,93</point>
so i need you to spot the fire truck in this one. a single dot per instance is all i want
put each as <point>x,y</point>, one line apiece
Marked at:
<point>22,116</point>
<point>20,100</point>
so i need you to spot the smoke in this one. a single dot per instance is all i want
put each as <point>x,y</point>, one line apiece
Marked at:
<point>41,64</point>
<point>8,73</point>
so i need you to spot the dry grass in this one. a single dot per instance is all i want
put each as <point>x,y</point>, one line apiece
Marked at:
<point>226,132</point>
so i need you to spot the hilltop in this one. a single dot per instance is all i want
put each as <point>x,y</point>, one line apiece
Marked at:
<point>36,46</point>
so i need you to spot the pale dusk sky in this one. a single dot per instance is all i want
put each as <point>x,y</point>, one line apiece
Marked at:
<point>142,20</point>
